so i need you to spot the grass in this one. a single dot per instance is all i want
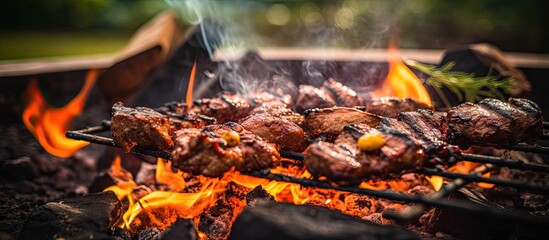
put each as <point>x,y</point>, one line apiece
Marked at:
<point>37,44</point>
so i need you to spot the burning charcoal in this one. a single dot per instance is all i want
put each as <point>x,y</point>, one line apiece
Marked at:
<point>141,127</point>
<point>256,195</point>
<point>272,220</point>
<point>182,229</point>
<point>121,234</point>
<point>377,218</point>
<point>215,222</point>
<point>149,234</point>
<point>91,216</point>
<point>359,205</point>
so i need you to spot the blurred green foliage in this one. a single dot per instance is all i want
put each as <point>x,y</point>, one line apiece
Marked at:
<point>72,26</point>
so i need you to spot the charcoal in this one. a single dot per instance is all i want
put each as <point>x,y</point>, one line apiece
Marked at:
<point>215,222</point>
<point>89,216</point>
<point>182,229</point>
<point>271,220</point>
<point>18,169</point>
<point>148,234</point>
<point>256,195</point>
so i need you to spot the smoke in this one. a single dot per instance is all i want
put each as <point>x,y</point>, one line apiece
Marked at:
<point>350,24</point>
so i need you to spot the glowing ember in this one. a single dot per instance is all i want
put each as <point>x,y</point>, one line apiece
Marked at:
<point>189,99</point>
<point>436,181</point>
<point>49,124</point>
<point>466,167</point>
<point>401,81</point>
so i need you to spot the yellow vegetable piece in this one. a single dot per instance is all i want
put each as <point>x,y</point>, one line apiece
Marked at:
<point>371,141</point>
<point>232,138</point>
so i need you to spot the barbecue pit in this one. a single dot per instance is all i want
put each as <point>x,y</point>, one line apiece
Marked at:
<point>189,51</point>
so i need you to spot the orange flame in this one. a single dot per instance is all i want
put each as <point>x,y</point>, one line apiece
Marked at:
<point>190,88</point>
<point>466,167</point>
<point>164,175</point>
<point>401,82</point>
<point>49,124</point>
<point>436,182</point>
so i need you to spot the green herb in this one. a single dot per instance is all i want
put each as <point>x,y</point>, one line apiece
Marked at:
<point>464,85</point>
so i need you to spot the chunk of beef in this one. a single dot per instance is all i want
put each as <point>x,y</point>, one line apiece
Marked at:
<point>343,95</point>
<point>494,123</point>
<point>225,107</point>
<point>311,97</point>
<point>285,134</point>
<point>205,152</point>
<point>330,121</point>
<point>342,161</point>
<point>141,127</point>
<point>391,106</point>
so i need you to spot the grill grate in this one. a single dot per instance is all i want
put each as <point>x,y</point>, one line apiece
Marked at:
<point>436,199</point>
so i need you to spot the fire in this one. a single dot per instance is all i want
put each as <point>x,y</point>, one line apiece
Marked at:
<point>401,81</point>
<point>49,124</point>
<point>189,99</point>
<point>436,182</point>
<point>466,167</point>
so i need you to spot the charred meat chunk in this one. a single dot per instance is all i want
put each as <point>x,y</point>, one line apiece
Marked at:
<point>225,107</point>
<point>141,127</point>
<point>428,129</point>
<point>311,97</point>
<point>330,121</point>
<point>285,134</point>
<point>392,106</point>
<point>206,152</point>
<point>276,106</point>
<point>494,123</point>
<point>343,95</point>
<point>343,162</point>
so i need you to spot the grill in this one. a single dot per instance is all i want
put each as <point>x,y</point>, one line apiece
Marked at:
<point>437,199</point>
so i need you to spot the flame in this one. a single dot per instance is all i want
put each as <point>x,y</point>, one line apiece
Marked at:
<point>401,82</point>
<point>123,180</point>
<point>189,99</point>
<point>466,167</point>
<point>164,175</point>
<point>436,182</point>
<point>49,124</point>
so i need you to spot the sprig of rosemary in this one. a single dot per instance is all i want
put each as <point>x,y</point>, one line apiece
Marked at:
<point>464,85</point>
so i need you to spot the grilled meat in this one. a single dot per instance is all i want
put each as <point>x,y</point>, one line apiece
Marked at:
<point>494,123</point>
<point>342,161</point>
<point>141,127</point>
<point>205,152</point>
<point>428,129</point>
<point>343,95</point>
<point>285,134</point>
<point>311,97</point>
<point>225,107</point>
<point>330,121</point>
<point>391,106</point>
<point>276,106</point>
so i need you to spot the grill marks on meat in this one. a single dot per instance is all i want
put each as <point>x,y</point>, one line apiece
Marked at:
<point>330,121</point>
<point>204,152</point>
<point>285,134</point>
<point>311,97</point>
<point>342,161</point>
<point>331,93</point>
<point>141,127</point>
<point>494,123</point>
<point>343,95</point>
<point>428,129</point>
<point>225,107</point>
<point>391,106</point>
